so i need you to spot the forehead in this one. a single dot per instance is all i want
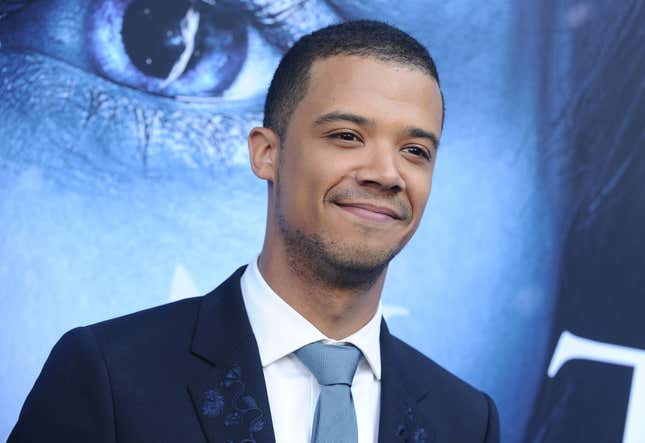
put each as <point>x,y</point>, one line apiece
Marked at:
<point>374,88</point>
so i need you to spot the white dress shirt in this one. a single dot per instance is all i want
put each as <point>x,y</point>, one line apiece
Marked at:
<point>291,388</point>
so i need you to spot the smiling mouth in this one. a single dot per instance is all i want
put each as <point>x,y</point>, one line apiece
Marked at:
<point>369,212</point>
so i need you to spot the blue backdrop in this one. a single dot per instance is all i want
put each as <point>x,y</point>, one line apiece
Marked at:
<point>124,184</point>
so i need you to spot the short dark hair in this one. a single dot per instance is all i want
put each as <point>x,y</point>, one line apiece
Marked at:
<point>365,38</point>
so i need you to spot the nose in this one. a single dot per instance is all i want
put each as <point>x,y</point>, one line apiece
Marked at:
<point>380,170</point>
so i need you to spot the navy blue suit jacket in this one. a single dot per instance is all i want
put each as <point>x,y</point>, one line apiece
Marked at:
<point>190,371</point>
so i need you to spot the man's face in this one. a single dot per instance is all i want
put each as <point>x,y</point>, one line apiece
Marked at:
<point>356,165</point>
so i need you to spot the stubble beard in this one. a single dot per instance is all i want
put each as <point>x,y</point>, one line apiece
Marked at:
<point>330,263</point>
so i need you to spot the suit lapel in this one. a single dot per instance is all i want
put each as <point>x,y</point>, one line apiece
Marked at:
<point>401,420</point>
<point>230,398</point>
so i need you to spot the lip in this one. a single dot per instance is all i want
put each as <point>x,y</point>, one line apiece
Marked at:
<point>370,212</point>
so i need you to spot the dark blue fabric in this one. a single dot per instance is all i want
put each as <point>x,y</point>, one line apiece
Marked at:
<point>190,371</point>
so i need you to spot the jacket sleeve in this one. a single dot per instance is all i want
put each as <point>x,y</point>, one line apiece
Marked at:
<point>492,430</point>
<point>71,400</point>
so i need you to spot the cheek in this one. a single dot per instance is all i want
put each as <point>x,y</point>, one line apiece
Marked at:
<point>418,201</point>
<point>419,187</point>
<point>311,171</point>
<point>301,191</point>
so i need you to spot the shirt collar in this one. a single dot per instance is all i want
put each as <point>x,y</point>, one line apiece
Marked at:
<point>280,330</point>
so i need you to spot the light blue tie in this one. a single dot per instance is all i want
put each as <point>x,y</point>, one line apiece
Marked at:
<point>334,367</point>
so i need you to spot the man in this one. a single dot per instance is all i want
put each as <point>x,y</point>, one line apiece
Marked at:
<point>291,348</point>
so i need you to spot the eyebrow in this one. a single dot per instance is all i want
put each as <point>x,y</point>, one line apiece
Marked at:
<point>422,133</point>
<point>337,116</point>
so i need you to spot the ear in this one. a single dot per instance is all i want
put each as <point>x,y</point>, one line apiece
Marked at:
<point>264,146</point>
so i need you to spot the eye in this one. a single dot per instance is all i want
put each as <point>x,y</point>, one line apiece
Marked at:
<point>418,152</point>
<point>346,136</point>
<point>180,48</point>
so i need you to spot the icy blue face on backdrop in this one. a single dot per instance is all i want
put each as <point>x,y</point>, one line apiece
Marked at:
<point>125,184</point>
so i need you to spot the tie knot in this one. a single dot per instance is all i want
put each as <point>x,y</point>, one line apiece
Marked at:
<point>330,364</point>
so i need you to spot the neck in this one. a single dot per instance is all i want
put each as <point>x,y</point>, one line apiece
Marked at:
<point>337,309</point>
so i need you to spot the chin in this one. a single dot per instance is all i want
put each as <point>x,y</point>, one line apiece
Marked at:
<point>359,257</point>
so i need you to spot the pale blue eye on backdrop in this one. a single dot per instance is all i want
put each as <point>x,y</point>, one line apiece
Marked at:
<point>178,49</point>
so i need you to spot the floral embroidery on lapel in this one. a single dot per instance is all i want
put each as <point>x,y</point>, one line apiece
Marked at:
<point>229,400</point>
<point>213,404</point>
<point>409,431</point>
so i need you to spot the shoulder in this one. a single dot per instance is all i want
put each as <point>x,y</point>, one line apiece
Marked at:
<point>170,321</point>
<point>163,334</point>
<point>94,368</point>
<point>152,334</point>
<point>443,395</point>
<point>174,321</point>
<point>423,371</point>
